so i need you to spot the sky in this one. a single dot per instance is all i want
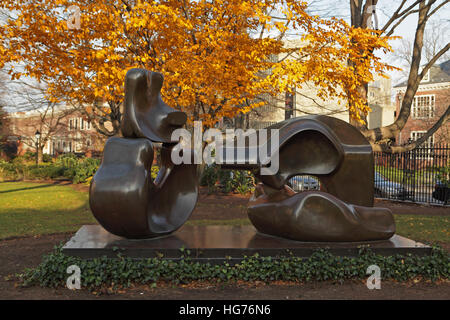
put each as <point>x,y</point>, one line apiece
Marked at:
<point>408,27</point>
<point>384,10</point>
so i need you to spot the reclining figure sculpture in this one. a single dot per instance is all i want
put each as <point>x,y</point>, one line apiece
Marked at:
<point>126,202</point>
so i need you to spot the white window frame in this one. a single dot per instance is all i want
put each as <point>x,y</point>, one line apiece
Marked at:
<point>427,145</point>
<point>415,108</point>
<point>84,124</point>
<point>77,146</point>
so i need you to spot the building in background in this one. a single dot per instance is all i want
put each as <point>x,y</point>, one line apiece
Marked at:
<point>430,102</point>
<point>302,101</point>
<point>65,132</point>
<point>379,97</point>
<point>305,101</point>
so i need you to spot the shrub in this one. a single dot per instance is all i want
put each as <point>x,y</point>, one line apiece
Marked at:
<point>78,170</point>
<point>217,179</point>
<point>31,157</point>
<point>443,175</point>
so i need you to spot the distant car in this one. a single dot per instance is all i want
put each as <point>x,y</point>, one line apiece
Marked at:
<point>303,183</point>
<point>441,191</point>
<point>389,189</point>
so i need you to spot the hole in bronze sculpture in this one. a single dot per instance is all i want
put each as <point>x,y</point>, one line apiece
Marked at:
<point>126,201</point>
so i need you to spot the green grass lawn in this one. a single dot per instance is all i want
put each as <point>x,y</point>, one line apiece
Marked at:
<point>35,208</point>
<point>396,175</point>
<point>424,228</point>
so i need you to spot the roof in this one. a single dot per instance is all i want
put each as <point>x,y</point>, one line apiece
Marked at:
<point>438,74</point>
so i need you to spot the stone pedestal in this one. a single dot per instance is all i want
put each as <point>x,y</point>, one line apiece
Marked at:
<point>216,244</point>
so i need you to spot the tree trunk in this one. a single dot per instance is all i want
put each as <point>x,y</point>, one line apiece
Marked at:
<point>360,15</point>
<point>363,92</point>
<point>40,156</point>
<point>381,138</point>
<point>392,131</point>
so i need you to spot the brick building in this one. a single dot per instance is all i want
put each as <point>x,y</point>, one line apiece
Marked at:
<point>430,102</point>
<point>62,131</point>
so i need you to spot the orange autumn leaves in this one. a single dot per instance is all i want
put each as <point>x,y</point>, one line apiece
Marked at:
<point>212,53</point>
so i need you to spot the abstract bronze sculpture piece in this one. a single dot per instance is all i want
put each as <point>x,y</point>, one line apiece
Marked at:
<point>145,114</point>
<point>122,195</point>
<point>126,201</point>
<point>341,158</point>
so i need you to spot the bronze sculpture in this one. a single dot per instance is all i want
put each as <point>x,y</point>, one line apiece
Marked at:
<point>128,203</point>
<point>122,195</point>
<point>339,155</point>
<point>145,114</point>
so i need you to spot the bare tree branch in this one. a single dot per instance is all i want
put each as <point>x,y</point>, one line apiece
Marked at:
<point>414,144</point>
<point>433,61</point>
<point>397,14</point>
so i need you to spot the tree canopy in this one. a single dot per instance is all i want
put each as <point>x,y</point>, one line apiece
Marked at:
<point>216,56</point>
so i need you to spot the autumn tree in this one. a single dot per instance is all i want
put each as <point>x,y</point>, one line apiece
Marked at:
<point>212,54</point>
<point>361,14</point>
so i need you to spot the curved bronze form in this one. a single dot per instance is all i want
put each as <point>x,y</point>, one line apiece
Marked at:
<point>316,216</point>
<point>145,114</point>
<point>329,148</point>
<point>122,196</point>
<point>342,159</point>
<point>125,200</point>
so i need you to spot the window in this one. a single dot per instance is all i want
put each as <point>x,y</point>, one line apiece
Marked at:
<point>415,135</point>
<point>73,123</point>
<point>84,124</point>
<point>425,150</point>
<point>423,107</point>
<point>76,146</point>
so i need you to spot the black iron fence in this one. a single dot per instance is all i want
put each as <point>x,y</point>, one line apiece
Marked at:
<point>420,175</point>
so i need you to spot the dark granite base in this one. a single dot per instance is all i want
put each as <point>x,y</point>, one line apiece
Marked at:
<point>219,243</point>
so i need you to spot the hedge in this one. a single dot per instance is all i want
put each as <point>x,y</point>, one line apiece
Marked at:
<point>68,166</point>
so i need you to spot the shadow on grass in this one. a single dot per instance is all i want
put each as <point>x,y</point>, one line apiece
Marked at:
<point>29,188</point>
